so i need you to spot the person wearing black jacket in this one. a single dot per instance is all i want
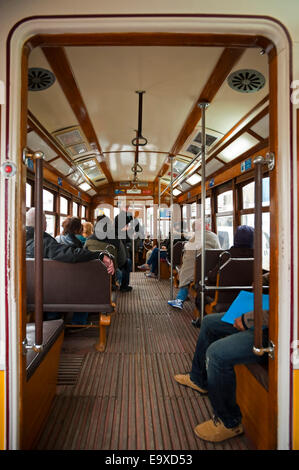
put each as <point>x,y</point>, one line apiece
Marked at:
<point>58,251</point>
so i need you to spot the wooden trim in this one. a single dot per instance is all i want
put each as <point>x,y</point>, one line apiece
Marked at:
<point>231,171</point>
<point>227,60</point>
<point>240,122</point>
<point>60,65</point>
<point>238,134</point>
<point>149,39</point>
<point>274,247</point>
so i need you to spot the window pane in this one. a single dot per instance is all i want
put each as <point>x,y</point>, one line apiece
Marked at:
<point>208,206</point>
<point>50,224</point>
<point>48,201</point>
<point>193,210</point>
<point>248,219</point>
<point>28,194</point>
<point>248,196</point>
<point>225,201</point>
<point>75,209</point>
<point>266,191</point>
<point>83,212</point>
<point>61,219</point>
<point>225,231</point>
<point>63,205</point>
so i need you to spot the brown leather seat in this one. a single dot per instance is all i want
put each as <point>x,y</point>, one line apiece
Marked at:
<point>234,272</point>
<point>211,259</point>
<point>74,287</point>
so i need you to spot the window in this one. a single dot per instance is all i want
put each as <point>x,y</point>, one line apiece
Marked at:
<point>75,209</point>
<point>83,212</point>
<point>64,205</point>
<point>50,224</point>
<point>247,215</point>
<point>224,219</point>
<point>28,196</point>
<point>48,200</point>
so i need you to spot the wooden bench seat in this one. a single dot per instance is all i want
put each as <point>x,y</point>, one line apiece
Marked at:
<point>51,332</point>
<point>74,287</point>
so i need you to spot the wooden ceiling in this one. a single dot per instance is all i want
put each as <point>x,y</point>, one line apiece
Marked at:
<point>94,100</point>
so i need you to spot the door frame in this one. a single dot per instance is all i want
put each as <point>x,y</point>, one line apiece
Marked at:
<point>26,34</point>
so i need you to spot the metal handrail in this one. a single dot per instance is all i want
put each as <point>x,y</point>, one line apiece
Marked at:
<point>259,161</point>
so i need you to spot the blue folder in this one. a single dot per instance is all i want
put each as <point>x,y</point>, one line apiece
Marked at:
<point>244,303</point>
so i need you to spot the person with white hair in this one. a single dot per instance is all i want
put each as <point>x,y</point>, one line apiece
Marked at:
<point>191,249</point>
<point>58,251</point>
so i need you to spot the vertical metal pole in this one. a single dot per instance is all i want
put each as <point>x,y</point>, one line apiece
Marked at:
<point>133,241</point>
<point>171,228</point>
<point>203,107</point>
<point>38,250</point>
<point>159,236</point>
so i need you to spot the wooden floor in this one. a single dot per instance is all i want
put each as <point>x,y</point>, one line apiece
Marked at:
<point>126,398</point>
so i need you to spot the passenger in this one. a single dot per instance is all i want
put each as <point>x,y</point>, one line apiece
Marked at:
<point>104,238</point>
<point>191,249</point>
<point>242,248</point>
<point>58,251</point>
<point>67,252</point>
<point>221,346</point>
<point>72,227</point>
<point>152,262</point>
<point>87,230</point>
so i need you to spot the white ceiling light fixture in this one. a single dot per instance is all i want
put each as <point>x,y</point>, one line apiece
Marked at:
<point>194,179</point>
<point>176,192</point>
<point>85,187</point>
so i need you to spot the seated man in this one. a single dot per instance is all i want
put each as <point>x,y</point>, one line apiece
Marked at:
<point>221,346</point>
<point>152,262</point>
<point>67,253</point>
<point>58,251</point>
<point>191,249</point>
<point>104,238</point>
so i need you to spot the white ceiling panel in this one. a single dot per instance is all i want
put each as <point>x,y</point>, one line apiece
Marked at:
<point>34,142</point>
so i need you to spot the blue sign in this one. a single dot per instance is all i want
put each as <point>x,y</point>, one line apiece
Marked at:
<point>30,164</point>
<point>246,165</point>
<point>211,183</point>
<point>59,180</point>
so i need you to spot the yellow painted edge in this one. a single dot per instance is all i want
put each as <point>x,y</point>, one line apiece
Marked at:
<point>296,410</point>
<point>2,409</point>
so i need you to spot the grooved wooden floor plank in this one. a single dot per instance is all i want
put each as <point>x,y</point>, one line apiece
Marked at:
<point>126,398</point>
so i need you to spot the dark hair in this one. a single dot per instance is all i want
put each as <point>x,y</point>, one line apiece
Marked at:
<point>244,236</point>
<point>71,225</point>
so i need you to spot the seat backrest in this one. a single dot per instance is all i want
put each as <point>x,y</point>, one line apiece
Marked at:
<point>69,286</point>
<point>211,259</point>
<point>178,252</point>
<point>234,272</point>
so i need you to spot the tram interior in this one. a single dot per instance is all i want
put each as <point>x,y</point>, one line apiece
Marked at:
<point>83,114</point>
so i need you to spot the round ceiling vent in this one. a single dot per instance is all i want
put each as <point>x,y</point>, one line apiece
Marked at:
<point>39,79</point>
<point>246,81</point>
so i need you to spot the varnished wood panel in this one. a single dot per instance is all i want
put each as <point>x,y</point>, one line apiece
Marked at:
<point>149,39</point>
<point>255,405</point>
<point>39,393</point>
<point>60,65</point>
<point>225,63</point>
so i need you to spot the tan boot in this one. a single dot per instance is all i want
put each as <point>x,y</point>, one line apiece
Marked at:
<point>185,380</point>
<point>215,431</point>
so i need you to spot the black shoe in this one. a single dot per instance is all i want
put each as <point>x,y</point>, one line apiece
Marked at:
<point>126,289</point>
<point>196,322</point>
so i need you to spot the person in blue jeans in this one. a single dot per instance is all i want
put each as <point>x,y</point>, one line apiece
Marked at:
<point>221,346</point>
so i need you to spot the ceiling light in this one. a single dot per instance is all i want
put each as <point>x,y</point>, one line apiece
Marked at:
<point>194,179</point>
<point>85,187</point>
<point>176,192</point>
